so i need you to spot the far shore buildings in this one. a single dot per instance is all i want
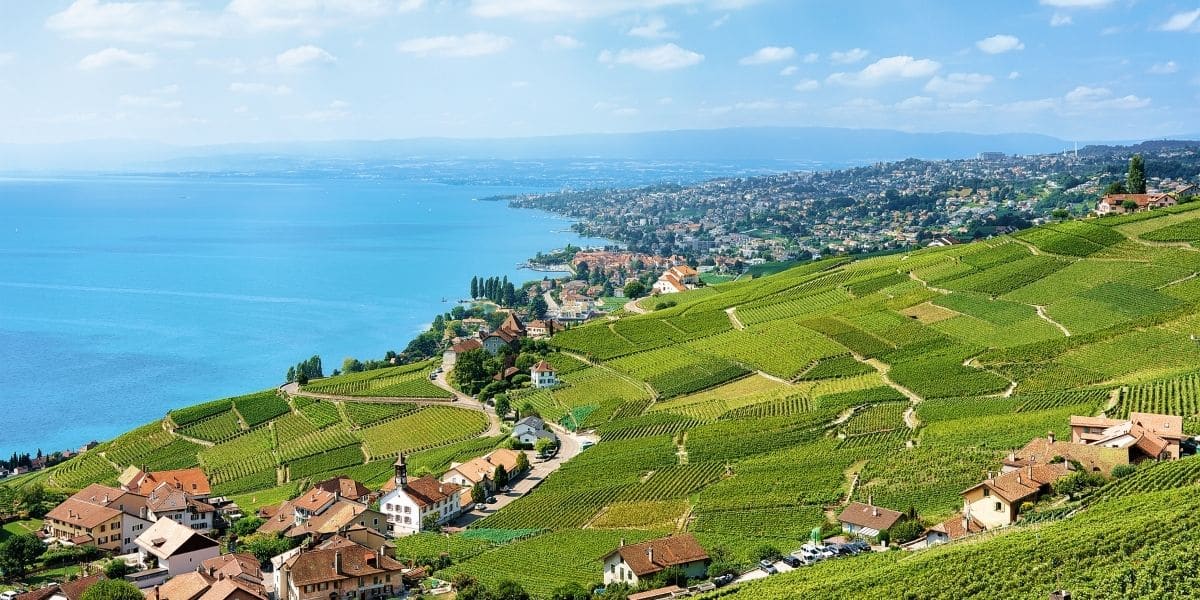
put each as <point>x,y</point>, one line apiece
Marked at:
<point>632,563</point>
<point>680,278</point>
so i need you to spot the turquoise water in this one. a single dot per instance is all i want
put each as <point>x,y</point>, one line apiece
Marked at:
<point>121,297</point>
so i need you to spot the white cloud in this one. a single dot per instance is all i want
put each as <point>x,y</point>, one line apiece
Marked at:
<point>719,21</point>
<point>303,56</point>
<point>811,58</point>
<point>1165,68</point>
<point>1077,3</point>
<point>240,87</point>
<point>336,111</point>
<point>564,41</point>
<point>1061,20</point>
<point>653,28</point>
<point>548,10</point>
<point>1184,21</point>
<point>133,22</point>
<point>116,57</point>
<point>769,54</point>
<point>789,70</point>
<point>627,111</point>
<point>1099,98</point>
<point>958,83</point>
<point>665,100</point>
<point>806,85</point>
<point>999,44</point>
<point>1014,75</point>
<point>884,70</point>
<point>1028,106</point>
<point>232,65</point>
<point>848,57</point>
<point>915,103</point>
<point>313,15</point>
<point>456,46</point>
<point>657,58</point>
<point>152,101</point>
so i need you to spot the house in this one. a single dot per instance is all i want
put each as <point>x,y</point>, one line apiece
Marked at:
<point>342,570</point>
<point>406,503</point>
<point>956,527</point>
<point>175,547</point>
<point>481,471</point>
<point>1143,435</point>
<point>679,278</point>
<point>867,519</point>
<point>632,563</point>
<point>542,375</point>
<point>345,488</point>
<point>82,523</point>
<point>450,356</point>
<point>171,502</point>
<point>133,509</point>
<point>943,240</point>
<point>192,481</point>
<point>662,593</point>
<point>541,329</point>
<point>508,334</point>
<point>506,374</point>
<point>576,308</point>
<point>337,517</point>
<point>226,577</point>
<point>996,501</point>
<point>1115,203</point>
<point>531,429</point>
<point>70,590</point>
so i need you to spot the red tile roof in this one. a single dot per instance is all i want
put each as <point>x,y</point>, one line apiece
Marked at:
<point>870,516</point>
<point>651,557</point>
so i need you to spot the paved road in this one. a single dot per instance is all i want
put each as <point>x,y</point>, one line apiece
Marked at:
<point>632,307</point>
<point>552,307</point>
<point>539,470</point>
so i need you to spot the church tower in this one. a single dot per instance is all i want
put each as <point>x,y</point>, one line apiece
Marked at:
<point>401,472</point>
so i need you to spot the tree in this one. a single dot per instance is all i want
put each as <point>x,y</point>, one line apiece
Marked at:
<point>635,289</point>
<point>246,526</point>
<point>1135,180</point>
<point>430,522</point>
<point>1060,213</point>
<point>265,546</point>
<point>503,405</point>
<point>509,590</point>
<point>766,552</point>
<point>570,591</point>
<point>112,589</point>
<point>527,410</point>
<point>906,530</point>
<point>291,374</point>
<point>478,496</point>
<point>116,569</point>
<point>351,365</point>
<point>1116,187</point>
<point>474,287</point>
<point>542,445</point>
<point>1129,205</point>
<point>537,307</point>
<point>18,553</point>
<point>500,476</point>
<point>522,462</point>
<point>470,368</point>
<point>581,271</point>
<point>1126,470</point>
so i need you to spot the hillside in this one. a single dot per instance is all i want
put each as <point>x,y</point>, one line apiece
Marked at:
<point>749,412</point>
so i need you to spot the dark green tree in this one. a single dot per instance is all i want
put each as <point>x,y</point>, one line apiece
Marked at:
<point>477,494</point>
<point>246,526</point>
<point>18,553</point>
<point>570,591</point>
<point>430,522</point>
<point>522,462</point>
<point>537,307</point>
<point>112,589</point>
<point>474,287</point>
<point>635,289</point>
<point>116,569</point>
<point>1116,187</point>
<point>503,405</point>
<point>509,590</point>
<point>1135,180</point>
<point>500,476</point>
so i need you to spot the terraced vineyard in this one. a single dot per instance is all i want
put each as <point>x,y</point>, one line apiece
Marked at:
<point>755,435</point>
<point>408,381</point>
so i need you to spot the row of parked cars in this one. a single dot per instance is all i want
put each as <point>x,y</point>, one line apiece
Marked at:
<point>811,553</point>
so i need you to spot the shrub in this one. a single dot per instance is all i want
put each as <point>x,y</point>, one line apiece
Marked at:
<point>906,531</point>
<point>1120,471</point>
<point>766,552</point>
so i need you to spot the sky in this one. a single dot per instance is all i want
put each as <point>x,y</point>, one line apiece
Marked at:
<point>220,71</point>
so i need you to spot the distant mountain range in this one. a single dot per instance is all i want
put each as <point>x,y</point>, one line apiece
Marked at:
<point>788,146</point>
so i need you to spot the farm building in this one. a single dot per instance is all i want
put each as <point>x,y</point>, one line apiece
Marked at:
<point>632,563</point>
<point>867,519</point>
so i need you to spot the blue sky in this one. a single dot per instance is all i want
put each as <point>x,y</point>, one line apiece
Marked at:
<point>195,72</point>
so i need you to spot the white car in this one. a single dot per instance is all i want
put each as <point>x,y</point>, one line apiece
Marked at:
<point>9,595</point>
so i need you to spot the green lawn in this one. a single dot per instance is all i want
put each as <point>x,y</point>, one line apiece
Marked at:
<point>18,528</point>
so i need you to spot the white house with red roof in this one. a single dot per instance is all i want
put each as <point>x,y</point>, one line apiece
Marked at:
<point>679,278</point>
<point>407,502</point>
<point>543,375</point>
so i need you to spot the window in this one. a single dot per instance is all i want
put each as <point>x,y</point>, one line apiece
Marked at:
<point>407,509</point>
<point>999,507</point>
<point>986,492</point>
<point>375,521</point>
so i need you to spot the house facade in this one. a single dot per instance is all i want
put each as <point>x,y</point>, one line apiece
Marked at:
<point>406,502</point>
<point>631,564</point>
<point>175,547</point>
<point>85,524</point>
<point>996,501</point>
<point>531,429</point>
<point>340,571</point>
<point>679,278</point>
<point>450,356</point>
<point>1114,204</point>
<point>168,501</point>
<point>867,519</point>
<point>134,517</point>
<point>543,375</point>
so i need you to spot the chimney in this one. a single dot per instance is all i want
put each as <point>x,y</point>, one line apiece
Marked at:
<point>622,543</point>
<point>1019,482</point>
<point>337,562</point>
<point>650,554</point>
<point>1050,436</point>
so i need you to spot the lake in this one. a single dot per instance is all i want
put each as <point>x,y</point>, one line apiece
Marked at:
<point>123,297</point>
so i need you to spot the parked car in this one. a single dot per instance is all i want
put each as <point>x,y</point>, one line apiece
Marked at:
<point>9,595</point>
<point>860,546</point>
<point>490,500</point>
<point>586,444</point>
<point>432,376</point>
<point>723,580</point>
<point>767,566</point>
<point>792,561</point>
